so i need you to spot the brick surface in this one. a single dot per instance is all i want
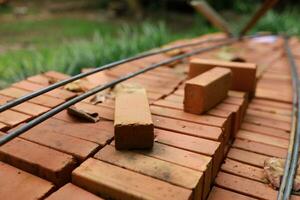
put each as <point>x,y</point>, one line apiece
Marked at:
<point>41,100</point>
<point>57,93</point>
<point>166,171</point>
<point>206,90</point>
<point>115,182</point>
<point>132,121</point>
<point>70,191</point>
<point>79,148</point>
<point>243,74</point>
<point>26,107</point>
<point>39,160</point>
<point>16,184</point>
<point>220,193</point>
<point>13,118</point>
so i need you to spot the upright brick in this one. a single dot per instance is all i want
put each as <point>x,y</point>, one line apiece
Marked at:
<point>163,170</point>
<point>133,124</point>
<point>206,90</point>
<point>114,182</point>
<point>16,184</point>
<point>243,74</point>
<point>72,192</point>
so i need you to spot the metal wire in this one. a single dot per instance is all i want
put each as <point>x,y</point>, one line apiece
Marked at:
<point>6,138</point>
<point>27,97</point>
<point>293,150</point>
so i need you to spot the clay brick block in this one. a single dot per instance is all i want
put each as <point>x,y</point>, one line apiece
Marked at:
<point>100,133</point>
<point>70,191</point>
<point>114,182</point>
<point>189,143</point>
<point>162,170</point>
<point>188,128</point>
<point>206,90</point>
<point>265,130</point>
<point>260,148</point>
<point>184,158</point>
<point>133,124</point>
<point>39,160</point>
<point>219,193</point>
<point>26,107</point>
<point>265,139</point>
<point>79,148</point>
<point>247,157</point>
<point>243,74</point>
<point>285,126</point>
<point>2,126</point>
<point>243,170</point>
<point>178,114</point>
<point>43,100</point>
<point>16,184</point>
<point>57,93</point>
<point>13,118</point>
<point>245,186</point>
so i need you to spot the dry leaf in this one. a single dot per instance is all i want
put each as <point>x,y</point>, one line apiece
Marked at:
<point>52,80</point>
<point>76,86</point>
<point>273,171</point>
<point>98,98</point>
<point>84,115</point>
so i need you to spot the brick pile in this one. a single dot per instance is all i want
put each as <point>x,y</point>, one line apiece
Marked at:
<point>66,158</point>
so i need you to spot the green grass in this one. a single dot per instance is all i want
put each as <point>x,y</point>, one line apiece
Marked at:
<point>70,44</point>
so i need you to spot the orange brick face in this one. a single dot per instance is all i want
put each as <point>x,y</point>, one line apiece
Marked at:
<point>243,74</point>
<point>133,124</point>
<point>206,90</point>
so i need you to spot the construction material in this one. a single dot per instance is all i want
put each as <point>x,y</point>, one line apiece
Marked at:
<point>133,124</point>
<point>206,90</point>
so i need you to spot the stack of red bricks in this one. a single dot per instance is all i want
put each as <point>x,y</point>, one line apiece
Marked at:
<point>65,158</point>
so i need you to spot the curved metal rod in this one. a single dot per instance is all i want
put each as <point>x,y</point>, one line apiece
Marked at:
<point>6,138</point>
<point>27,97</point>
<point>293,150</point>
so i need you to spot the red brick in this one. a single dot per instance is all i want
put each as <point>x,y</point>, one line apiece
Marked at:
<point>41,100</point>
<point>162,170</point>
<point>269,115</point>
<point>100,133</point>
<point>265,139</point>
<point>178,114</point>
<point>16,184</point>
<point>13,118</point>
<point>114,182</point>
<point>272,103</point>
<point>133,124</point>
<point>72,192</point>
<point>56,75</point>
<point>39,79</point>
<point>184,158</point>
<point>245,186</point>
<point>26,107</point>
<point>260,148</point>
<point>265,130</point>
<point>243,170</point>
<point>2,126</point>
<point>57,140</point>
<point>272,94</point>
<point>247,157</point>
<point>197,145</point>
<point>268,122</point>
<point>238,94</point>
<point>243,74</point>
<point>270,109</point>
<point>39,160</point>
<point>206,90</point>
<point>219,193</point>
<point>188,128</point>
<point>57,93</point>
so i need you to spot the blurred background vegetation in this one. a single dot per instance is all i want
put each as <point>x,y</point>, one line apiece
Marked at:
<point>41,35</point>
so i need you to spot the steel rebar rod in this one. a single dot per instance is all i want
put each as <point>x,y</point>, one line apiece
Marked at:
<point>291,163</point>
